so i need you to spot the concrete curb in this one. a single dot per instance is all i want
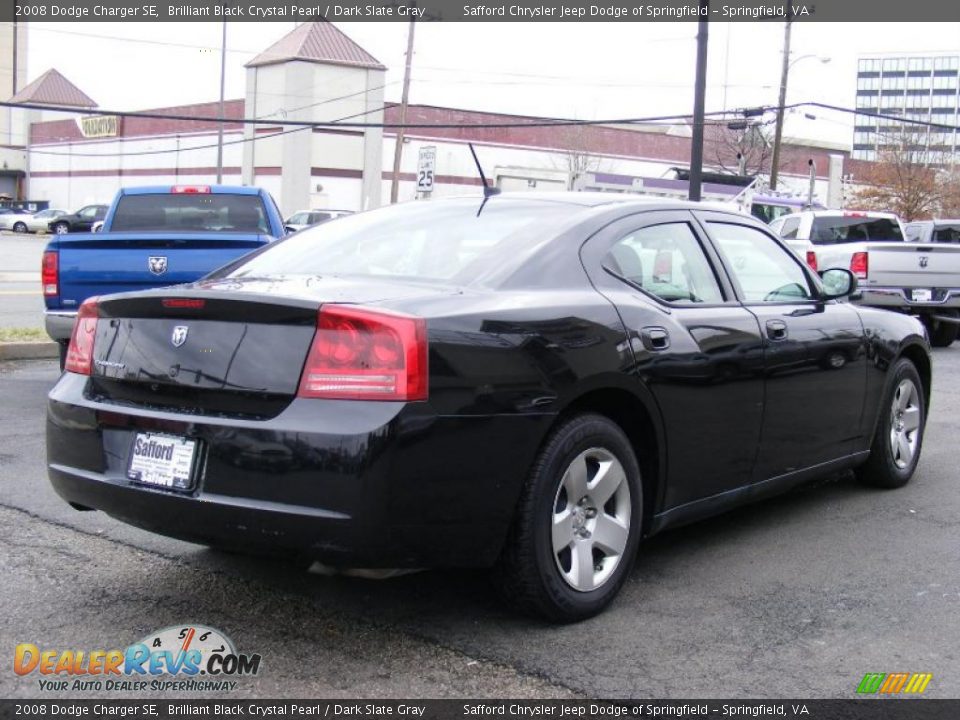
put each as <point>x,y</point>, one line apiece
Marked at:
<point>35,350</point>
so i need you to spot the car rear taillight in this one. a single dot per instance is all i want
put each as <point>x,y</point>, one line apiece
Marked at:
<point>80,353</point>
<point>859,264</point>
<point>812,260</point>
<point>360,354</point>
<point>190,189</point>
<point>50,273</point>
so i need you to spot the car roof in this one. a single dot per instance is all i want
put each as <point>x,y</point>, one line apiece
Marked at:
<point>601,199</point>
<point>852,213</point>
<point>214,189</point>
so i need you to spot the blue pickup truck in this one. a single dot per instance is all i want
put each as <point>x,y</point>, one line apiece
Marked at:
<point>154,237</point>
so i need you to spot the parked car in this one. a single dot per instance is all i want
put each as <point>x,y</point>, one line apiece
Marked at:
<point>27,222</point>
<point>152,237</point>
<point>305,218</point>
<point>530,382</point>
<point>936,231</point>
<point>80,221</point>
<point>921,279</point>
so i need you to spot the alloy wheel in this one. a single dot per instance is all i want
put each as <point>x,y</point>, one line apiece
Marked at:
<point>591,519</point>
<point>905,423</point>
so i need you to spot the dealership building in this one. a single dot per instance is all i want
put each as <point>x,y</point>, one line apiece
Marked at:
<point>316,74</point>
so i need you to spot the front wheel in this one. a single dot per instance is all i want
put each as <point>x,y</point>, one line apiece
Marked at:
<point>578,523</point>
<point>896,446</point>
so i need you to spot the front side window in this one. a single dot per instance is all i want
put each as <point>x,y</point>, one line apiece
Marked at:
<point>764,270</point>
<point>88,212</point>
<point>667,262</point>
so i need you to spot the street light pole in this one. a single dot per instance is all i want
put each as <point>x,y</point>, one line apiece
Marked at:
<point>778,132</point>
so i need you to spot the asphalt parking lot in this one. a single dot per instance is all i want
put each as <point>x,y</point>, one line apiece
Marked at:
<point>795,597</point>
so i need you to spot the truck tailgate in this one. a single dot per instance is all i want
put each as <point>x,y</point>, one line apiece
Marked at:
<point>119,262</point>
<point>913,265</point>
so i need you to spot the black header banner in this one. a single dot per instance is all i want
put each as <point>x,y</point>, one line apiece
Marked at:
<point>483,10</point>
<point>464,709</point>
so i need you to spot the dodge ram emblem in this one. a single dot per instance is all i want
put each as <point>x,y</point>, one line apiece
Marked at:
<point>179,336</point>
<point>924,260</point>
<point>157,264</point>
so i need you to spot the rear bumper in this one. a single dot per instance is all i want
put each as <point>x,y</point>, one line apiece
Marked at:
<point>351,484</point>
<point>59,323</point>
<point>900,299</point>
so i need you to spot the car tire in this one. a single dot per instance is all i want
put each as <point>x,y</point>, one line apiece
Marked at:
<point>541,570</point>
<point>64,347</point>
<point>19,227</point>
<point>61,229</point>
<point>898,439</point>
<point>942,334</point>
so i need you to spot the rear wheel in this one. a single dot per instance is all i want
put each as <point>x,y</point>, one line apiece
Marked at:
<point>897,442</point>
<point>578,523</point>
<point>942,334</point>
<point>61,228</point>
<point>19,227</point>
<point>64,346</point>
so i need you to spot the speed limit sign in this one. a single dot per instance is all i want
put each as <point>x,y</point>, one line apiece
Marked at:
<point>426,165</point>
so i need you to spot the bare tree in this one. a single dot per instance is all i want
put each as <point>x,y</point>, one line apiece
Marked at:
<point>749,143</point>
<point>908,177</point>
<point>576,158</point>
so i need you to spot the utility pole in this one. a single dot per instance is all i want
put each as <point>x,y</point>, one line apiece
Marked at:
<point>398,148</point>
<point>778,132</point>
<point>699,100</point>
<point>223,67</point>
<point>14,58</point>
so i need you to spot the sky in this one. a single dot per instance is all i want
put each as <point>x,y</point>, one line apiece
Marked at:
<point>590,70</point>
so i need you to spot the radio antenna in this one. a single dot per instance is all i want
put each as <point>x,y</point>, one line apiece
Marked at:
<point>487,190</point>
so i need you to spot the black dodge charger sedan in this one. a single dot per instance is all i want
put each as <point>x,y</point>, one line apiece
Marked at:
<point>533,383</point>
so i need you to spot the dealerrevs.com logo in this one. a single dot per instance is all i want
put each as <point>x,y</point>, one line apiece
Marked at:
<point>185,657</point>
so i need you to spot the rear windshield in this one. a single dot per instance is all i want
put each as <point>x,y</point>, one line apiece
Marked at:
<point>177,212</point>
<point>835,230</point>
<point>947,233</point>
<point>422,240</point>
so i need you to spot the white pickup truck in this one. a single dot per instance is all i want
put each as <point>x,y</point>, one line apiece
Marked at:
<point>918,278</point>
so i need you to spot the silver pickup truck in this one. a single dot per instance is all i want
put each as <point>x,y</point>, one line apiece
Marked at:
<point>918,278</point>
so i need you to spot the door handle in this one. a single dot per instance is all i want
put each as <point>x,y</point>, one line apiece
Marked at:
<point>655,339</point>
<point>776,330</point>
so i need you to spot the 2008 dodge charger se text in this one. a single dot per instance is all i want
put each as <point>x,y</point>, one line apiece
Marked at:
<point>532,382</point>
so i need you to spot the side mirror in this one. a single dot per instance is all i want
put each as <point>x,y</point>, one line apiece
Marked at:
<point>287,229</point>
<point>838,283</point>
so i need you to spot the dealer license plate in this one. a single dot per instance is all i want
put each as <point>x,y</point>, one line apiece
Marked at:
<point>922,295</point>
<point>162,461</point>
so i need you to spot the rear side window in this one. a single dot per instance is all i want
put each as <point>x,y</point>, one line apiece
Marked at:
<point>199,212</point>
<point>846,229</point>
<point>667,262</point>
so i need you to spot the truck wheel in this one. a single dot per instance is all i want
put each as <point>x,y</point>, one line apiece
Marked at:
<point>942,334</point>
<point>896,445</point>
<point>578,523</point>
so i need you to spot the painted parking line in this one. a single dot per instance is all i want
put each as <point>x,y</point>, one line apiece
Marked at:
<point>20,292</point>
